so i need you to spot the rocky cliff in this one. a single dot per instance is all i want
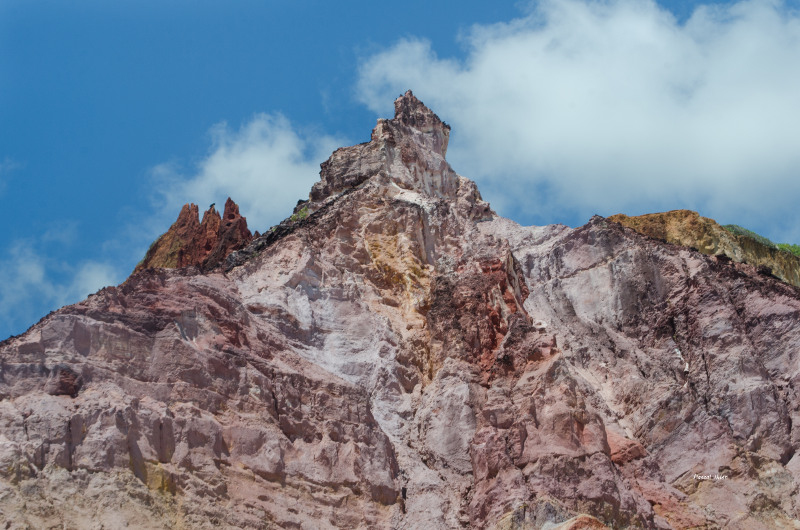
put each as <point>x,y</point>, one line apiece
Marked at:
<point>689,229</point>
<point>402,357</point>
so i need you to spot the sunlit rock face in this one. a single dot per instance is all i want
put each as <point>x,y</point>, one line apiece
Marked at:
<point>398,356</point>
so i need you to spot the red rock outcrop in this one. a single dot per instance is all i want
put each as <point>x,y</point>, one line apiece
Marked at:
<point>205,243</point>
<point>404,358</point>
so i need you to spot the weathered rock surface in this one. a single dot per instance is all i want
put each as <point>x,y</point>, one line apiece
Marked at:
<point>689,229</point>
<point>404,358</point>
<point>205,243</point>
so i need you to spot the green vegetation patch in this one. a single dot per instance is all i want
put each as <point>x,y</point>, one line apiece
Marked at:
<point>785,247</point>
<point>299,215</point>
<point>741,231</point>
<point>793,249</point>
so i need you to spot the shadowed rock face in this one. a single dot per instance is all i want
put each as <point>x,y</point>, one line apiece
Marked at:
<point>404,358</point>
<point>205,243</point>
<point>689,229</point>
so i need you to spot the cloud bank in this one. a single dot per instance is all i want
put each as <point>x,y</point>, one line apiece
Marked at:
<point>584,107</point>
<point>265,167</point>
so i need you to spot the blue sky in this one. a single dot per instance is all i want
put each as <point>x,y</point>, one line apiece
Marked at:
<point>114,114</point>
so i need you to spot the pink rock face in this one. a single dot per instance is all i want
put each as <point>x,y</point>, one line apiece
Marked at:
<point>404,358</point>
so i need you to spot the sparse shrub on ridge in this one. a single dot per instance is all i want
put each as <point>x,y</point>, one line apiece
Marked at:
<point>300,215</point>
<point>741,231</point>
<point>786,247</point>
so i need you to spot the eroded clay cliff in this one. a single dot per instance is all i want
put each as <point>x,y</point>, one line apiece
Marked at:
<point>405,358</point>
<point>689,229</point>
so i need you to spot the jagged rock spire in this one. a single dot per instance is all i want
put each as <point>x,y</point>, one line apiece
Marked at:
<point>411,112</point>
<point>408,150</point>
<point>205,243</point>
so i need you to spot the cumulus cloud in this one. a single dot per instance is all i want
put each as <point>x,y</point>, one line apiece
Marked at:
<point>265,166</point>
<point>584,107</point>
<point>7,165</point>
<point>89,277</point>
<point>33,283</point>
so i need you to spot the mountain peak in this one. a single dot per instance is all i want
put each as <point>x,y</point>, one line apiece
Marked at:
<point>407,151</point>
<point>412,112</point>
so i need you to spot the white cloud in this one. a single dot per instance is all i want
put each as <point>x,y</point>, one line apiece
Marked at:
<point>7,165</point>
<point>31,283</point>
<point>606,106</point>
<point>88,278</point>
<point>20,274</point>
<point>265,167</point>
<point>63,233</point>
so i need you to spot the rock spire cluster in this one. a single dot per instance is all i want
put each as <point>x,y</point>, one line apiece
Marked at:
<point>190,241</point>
